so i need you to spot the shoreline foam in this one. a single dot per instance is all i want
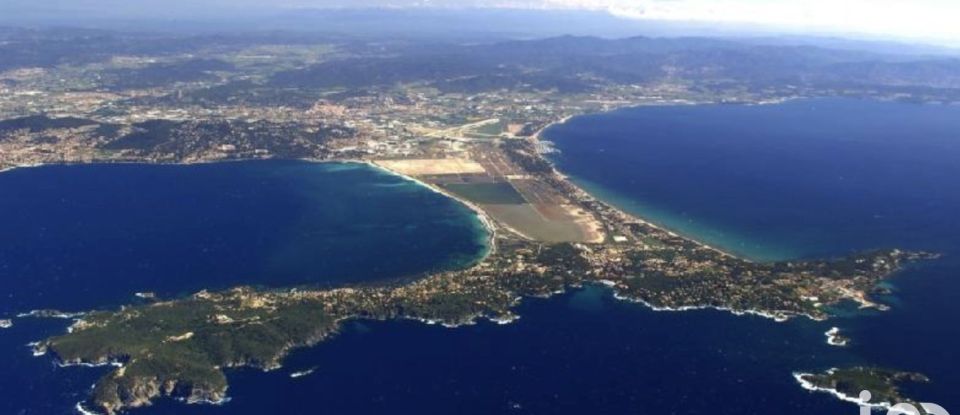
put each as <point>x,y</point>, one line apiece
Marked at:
<point>51,314</point>
<point>37,348</point>
<point>777,317</point>
<point>84,411</point>
<point>834,338</point>
<point>302,373</point>
<point>807,385</point>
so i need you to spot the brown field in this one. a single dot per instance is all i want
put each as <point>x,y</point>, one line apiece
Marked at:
<point>426,167</point>
<point>525,219</point>
<point>488,180</point>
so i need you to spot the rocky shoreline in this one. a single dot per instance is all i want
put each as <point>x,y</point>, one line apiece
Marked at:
<point>865,386</point>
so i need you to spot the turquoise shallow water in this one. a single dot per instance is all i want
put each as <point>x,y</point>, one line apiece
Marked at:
<point>76,237</point>
<point>805,178</point>
<point>727,238</point>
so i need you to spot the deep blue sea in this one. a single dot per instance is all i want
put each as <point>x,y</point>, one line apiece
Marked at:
<point>801,179</point>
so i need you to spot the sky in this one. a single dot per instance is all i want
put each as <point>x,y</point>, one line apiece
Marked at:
<point>929,20</point>
<point>910,19</point>
<point>902,18</point>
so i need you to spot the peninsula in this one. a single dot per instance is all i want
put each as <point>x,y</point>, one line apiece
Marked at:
<point>470,131</point>
<point>181,347</point>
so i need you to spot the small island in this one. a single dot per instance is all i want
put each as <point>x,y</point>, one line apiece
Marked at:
<point>849,384</point>
<point>834,338</point>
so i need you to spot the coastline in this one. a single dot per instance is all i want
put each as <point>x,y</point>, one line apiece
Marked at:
<point>488,223</point>
<point>21,166</point>
<point>809,386</point>
<point>777,317</point>
<point>835,338</point>
<point>83,410</point>
<point>780,317</point>
<point>880,406</point>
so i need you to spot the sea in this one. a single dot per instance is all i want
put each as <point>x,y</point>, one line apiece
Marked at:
<point>801,179</point>
<point>84,237</point>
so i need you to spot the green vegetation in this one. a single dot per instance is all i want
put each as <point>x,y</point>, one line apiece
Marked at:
<point>179,348</point>
<point>179,140</point>
<point>159,74</point>
<point>38,123</point>
<point>883,384</point>
<point>488,130</point>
